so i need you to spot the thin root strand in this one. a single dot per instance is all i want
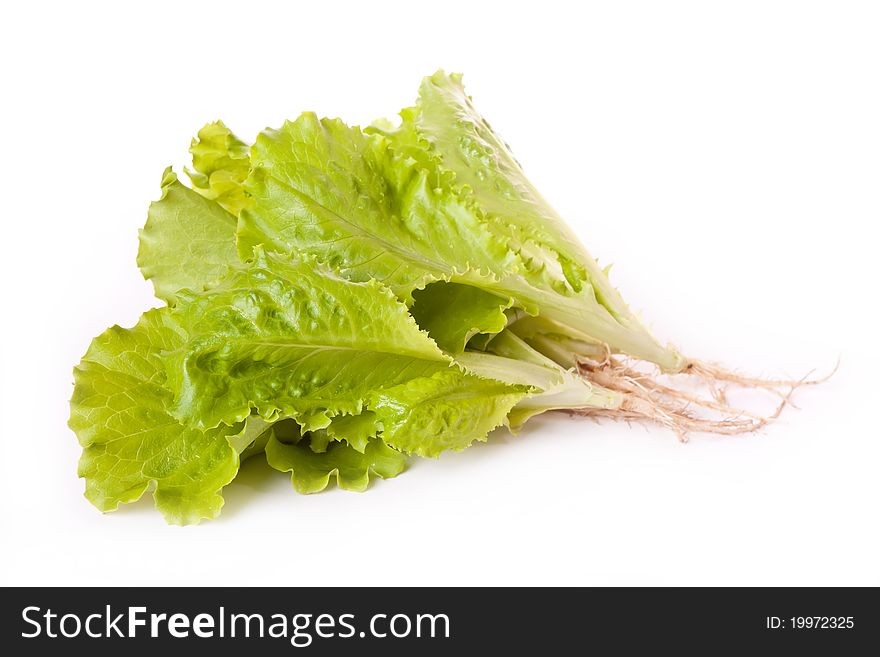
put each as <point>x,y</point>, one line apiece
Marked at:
<point>647,400</point>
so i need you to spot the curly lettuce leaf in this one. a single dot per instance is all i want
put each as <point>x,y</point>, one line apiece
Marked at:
<point>404,290</point>
<point>464,143</point>
<point>371,212</point>
<point>169,402</point>
<point>356,430</point>
<point>447,411</point>
<point>221,163</point>
<point>327,189</point>
<point>120,413</point>
<point>311,471</point>
<point>392,207</point>
<point>445,135</point>
<point>452,313</point>
<point>187,242</point>
<point>291,338</point>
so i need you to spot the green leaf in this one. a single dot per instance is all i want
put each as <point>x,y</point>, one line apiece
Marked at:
<point>221,164</point>
<point>356,430</point>
<point>311,470</point>
<point>452,313</point>
<point>371,212</point>
<point>444,135</point>
<point>466,145</point>
<point>187,242</point>
<point>290,338</point>
<point>326,189</point>
<point>168,403</point>
<point>339,298</point>
<point>119,411</point>
<point>447,411</point>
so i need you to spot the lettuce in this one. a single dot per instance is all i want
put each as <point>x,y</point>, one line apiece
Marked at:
<point>339,299</point>
<point>174,400</point>
<point>221,163</point>
<point>311,471</point>
<point>120,410</point>
<point>188,241</point>
<point>400,218</point>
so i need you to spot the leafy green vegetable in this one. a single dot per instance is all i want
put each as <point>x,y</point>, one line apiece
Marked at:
<point>324,188</point>
<point>311,471</point>
<point>188,241</point>
<point>176,399</point>
<point>120,411</point>
<point>221,163</point>
<point>375,207</point>
<point>445,135</point>
<point>475,312</point>
<point>290,338</point>
<point>341,298</point>
<point>444,411</point>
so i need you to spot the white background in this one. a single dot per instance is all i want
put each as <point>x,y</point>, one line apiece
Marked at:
<point>725,157</point>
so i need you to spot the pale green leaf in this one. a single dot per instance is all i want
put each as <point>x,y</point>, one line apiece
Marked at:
<point>187,242</point>
<point>310,470</point>
<point>356,430</point>
<point>290,338</point>
<point>119,411</point>
<point>444,135</point>
<point>452,313</point>
<point>221,163</point>
<point>447,411</point>
<point>370,212</point>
